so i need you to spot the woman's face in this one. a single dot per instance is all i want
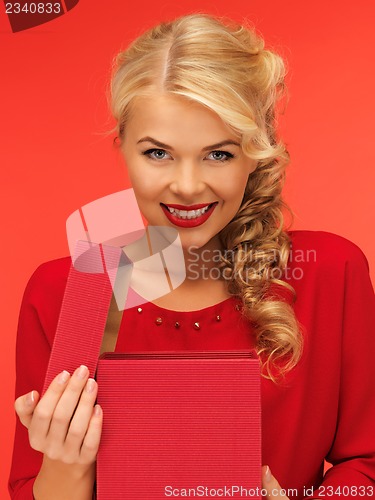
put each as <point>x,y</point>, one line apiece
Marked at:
<point>186,167</point>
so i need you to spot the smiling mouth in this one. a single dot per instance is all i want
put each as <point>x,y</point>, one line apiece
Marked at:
<point>188,214</point>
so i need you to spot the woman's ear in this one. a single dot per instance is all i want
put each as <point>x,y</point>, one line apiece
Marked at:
<point>117,141</point>
<point>253,164</point>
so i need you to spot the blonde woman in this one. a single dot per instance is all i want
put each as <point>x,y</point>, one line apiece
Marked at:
<point>194,100</point>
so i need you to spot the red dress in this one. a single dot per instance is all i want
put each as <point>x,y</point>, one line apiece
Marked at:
<point>325,407</point>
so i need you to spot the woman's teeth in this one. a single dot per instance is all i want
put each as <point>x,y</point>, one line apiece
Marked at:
<point>188,214</point>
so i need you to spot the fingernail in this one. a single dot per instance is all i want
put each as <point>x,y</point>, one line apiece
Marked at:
<point>267,474</point>
<point>63,377</point>
<point>97,410</point>
<point>30,399</point>
<point>82,371</point>
<point>90,385</point>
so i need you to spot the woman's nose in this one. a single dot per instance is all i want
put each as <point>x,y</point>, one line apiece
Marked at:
<point>187,181</point>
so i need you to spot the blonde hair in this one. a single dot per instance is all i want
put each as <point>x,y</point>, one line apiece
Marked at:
<point>225,67</point>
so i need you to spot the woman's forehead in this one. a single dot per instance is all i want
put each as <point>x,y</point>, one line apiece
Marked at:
<point>173,115</point>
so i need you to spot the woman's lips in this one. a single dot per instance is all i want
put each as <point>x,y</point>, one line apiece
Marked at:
<point>188,207</point>
<point>193,222</point>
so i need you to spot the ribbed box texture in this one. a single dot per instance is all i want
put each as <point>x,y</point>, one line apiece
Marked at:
<point>180,421</point>
<point>83,312</point>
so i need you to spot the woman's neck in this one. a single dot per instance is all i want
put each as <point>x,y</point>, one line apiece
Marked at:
<point>203,285</point>
<point>203,263</point>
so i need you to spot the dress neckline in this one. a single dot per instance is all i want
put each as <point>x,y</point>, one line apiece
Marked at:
<point>214,307</point>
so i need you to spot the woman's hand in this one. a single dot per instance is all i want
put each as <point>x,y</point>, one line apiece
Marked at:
<point>270,484</point>
<point>64,425</point>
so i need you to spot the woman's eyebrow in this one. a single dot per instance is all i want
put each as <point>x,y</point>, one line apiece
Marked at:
<point>213,146</point>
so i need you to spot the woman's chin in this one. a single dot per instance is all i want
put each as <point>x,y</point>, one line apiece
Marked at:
<point>198,245</point>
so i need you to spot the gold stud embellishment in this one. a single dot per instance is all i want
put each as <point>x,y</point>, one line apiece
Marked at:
<point>177,324</point>
<point>218,318</point>
<point>197,325</point>
<point>139,309</point>
<point>158,321</point>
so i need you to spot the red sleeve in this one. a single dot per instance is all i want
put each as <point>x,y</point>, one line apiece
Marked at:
<point>353,450</point>
<point>36,327</point>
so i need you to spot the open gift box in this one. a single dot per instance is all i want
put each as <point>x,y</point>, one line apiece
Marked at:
<point>178,421</point>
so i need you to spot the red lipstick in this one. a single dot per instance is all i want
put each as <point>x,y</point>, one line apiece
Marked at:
<point>188,207</point>
<point>196,221</point>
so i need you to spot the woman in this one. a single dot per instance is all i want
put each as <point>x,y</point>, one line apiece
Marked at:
<point>195,101</point>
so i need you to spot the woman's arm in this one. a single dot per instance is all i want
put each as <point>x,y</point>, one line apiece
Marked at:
<point>36,328</point>
<point>353,450</point>
<point>76,484</point>
<point>349,342</point>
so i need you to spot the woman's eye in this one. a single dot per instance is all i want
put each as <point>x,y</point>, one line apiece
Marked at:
<point>156,154</point>
<point>221,155</point>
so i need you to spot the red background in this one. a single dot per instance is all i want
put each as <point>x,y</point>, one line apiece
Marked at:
<point>55,156</point>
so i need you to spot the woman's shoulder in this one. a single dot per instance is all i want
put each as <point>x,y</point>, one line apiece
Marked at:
<point>51,271</point>
<point>48,281</point>
<point>43,296</point>
<point>325,248</point>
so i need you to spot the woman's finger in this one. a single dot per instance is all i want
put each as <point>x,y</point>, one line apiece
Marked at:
<point>271,486</point>
<point>66,406</point>
<point>25,406</point>
<point>43,413</point>
<point>82,416</point>
<point>91,442</point>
